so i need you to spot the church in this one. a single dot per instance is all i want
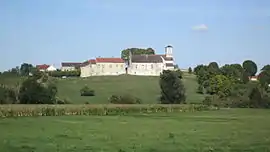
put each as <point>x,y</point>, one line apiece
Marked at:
<point>143,65</point>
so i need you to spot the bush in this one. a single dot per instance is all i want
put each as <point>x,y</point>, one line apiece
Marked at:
<point>7,95</point>
<point>124,99</point>
<point>172,87</point>
<point>86,91</point>
<point>100,110</point>
<point>60,74</point>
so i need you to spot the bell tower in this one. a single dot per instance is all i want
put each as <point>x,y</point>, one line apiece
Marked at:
<point>169,51</point>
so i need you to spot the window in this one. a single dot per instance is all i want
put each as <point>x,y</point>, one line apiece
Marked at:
<point>136,66</point>
<point>117,65</point>
<point>122,66</point>
<point>152,66</point>
<point>103,66</point>
<point>110,66</point>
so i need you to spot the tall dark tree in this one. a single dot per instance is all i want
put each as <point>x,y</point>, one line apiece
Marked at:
<point>25,69</point>
<point>190,70</point>
<point>250,67</point>
<point>213,65</point>
<point>172,88</point>
<point>266,68</point>
<point>135,51</point>
<point>37,90</point>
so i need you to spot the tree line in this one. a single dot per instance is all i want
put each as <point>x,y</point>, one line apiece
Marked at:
<point>230,85</point>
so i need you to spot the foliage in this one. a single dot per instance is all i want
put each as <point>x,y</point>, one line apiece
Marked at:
<point>264,78</point>
<point>7,95</point>
<point>37,90</point>
<point>75,73</point>
<point>172,88</point>
<point>199,68</point>
<point>220,85</point>
<point>266,68</point>
<point>124,99</point>
<point>135,51</point>
<point>84,109</point>
<point>213,65</point>
<point>86,91</point>
<point>25,69</point>
<point>232,71</point>
<point>190,70</point>
<point>250,67</point>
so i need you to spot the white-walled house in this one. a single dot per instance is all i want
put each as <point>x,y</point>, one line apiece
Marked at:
<point>151,65</point>
<point>45,67</point>
<point>102,67</point>
<point>70,66</point>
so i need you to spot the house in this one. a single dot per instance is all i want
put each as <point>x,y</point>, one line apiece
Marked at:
<point>45,67</point>
<point>102,67</point>
<point>70,66</point>
<point>151,65</point>
<point>253,78</point>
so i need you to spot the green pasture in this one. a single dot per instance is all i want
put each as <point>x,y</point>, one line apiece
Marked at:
<point>218,131</point>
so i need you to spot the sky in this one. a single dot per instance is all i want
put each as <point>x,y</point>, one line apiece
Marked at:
<point>201,31</point>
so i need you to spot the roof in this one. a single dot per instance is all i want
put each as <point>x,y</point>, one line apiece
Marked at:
<point>70,64</point>
<point>146,58</point>
<point>169,64</point>
<point>149,58</point>
<point>42,67</point>
<point>91,61</point>
<point>109,60</point>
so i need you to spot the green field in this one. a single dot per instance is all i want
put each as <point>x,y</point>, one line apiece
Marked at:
<point>223,130</point>
<point>143,87</point>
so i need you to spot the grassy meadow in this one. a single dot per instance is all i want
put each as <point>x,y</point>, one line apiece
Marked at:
<point>224,130</point>
<point>144,87</point>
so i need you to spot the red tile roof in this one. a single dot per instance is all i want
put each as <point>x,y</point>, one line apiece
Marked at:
<point>92,61</point>
<point>42,67</point>
<point>110,60</point>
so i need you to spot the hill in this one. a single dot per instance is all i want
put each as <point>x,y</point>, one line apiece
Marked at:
<point>145,88</point>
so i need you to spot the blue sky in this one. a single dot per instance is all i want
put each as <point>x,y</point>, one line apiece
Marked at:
<point>52,31</point>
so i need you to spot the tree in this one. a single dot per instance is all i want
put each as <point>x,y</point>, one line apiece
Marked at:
<point>190,70</point>
<point>213,65</point>
<point>172,88</point>
<point>220,85</point>
<point>37,89</point>
<point>135,51</point>
<point>232,71</point>
<point>250,67</point>
<point>199,67</point>
<point>266,68</point>
<point>25,69</point>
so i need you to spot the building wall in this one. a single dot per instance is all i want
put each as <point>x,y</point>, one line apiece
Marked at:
<point>146,69</point>
<point>110,68</point>
<point>51,68</point>
<point>102,69</point>
<point>68,68</point>
<point>86,71</point>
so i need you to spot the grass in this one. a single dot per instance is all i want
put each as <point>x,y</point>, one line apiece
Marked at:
<point>219,131</point>
<point>146,88</point>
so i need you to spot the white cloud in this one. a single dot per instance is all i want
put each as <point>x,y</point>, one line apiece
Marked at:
<point>201,27</point>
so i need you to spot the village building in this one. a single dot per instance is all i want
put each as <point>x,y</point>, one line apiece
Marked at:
<point>70,66</point>
<point>102,67</point>
<point>151,65</point>
<point>144,65</point>
<point>45,67</point>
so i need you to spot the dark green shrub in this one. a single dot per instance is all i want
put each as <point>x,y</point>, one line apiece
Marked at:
<point>86,91</point>
<point>172,87</point>
<point>124,99</point>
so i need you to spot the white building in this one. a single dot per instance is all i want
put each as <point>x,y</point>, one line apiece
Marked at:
<point>145,65</point>
<point>45,67</point>
<point>151,65</point>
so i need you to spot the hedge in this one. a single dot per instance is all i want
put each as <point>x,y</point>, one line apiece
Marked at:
<point>110,109</point>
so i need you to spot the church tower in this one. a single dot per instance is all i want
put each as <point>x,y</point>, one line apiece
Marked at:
<point>169,51</point>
